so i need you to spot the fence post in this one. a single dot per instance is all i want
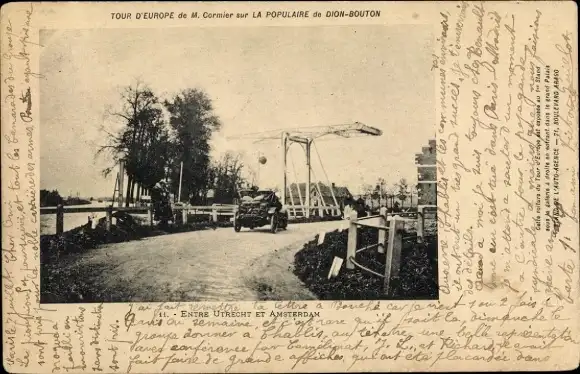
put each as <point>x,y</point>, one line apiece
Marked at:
<point>184,215</point>
<point>150,214</point>
<point>382,233</point>
<point>59,219</point>
<point>420,224</point>
<point>393,257</point>
<point>214,214</point>
<point>351,244</point>
<point>109,217</point>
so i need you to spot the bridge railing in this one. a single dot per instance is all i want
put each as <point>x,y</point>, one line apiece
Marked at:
<point>327,210</point>
<point>390,242</point>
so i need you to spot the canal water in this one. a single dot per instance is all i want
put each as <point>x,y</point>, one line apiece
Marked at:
<point>71,220</point>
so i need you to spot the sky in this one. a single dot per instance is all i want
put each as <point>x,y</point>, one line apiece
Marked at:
<point>259,79</point>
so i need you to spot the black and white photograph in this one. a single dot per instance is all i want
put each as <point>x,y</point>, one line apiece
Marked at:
<point>238,164</point>
<point>276,187</point>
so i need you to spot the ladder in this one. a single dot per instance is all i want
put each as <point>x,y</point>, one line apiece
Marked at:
<point>117,190</point>
<point>119,184</point>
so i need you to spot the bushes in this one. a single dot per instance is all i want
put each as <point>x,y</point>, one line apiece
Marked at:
<point>417,278</point>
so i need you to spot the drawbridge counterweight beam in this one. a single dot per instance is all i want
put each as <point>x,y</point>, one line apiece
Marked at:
<point>315,132</point>
<point>306,136</point>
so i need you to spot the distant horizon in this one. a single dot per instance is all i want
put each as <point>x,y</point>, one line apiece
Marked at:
<point>378,75</point>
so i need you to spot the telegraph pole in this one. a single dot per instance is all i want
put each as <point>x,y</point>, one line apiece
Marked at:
<point>180,180</point>
<point>121,180</point>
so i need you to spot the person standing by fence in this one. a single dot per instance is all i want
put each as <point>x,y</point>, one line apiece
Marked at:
<point>161,204</point>
<point>360,207</point>
<point>347,206</point>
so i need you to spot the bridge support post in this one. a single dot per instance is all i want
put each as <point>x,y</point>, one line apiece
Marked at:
<point>352,238</point>
<point>59,219</point>
<point>308,181</point>
<point>214,214</point>
<point>284,167</point>
<point>382,233</point>
<point>393,257</point>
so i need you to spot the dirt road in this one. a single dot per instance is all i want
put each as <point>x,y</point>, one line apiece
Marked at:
<point>209,265</point>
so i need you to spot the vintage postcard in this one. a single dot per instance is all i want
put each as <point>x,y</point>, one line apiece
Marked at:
<point>289,187</point>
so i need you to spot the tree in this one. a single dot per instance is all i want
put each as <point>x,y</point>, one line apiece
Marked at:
<point>414,191</point>
<point>226,175</point>
<point>376,194</point>
<point>154,153</point>
<point>192,122</point>
<point>403,191</point>
<point>367,190</point>
<point>391,193</point>
<point>50,198</point>
<point>381,190</point>
<point>142,142</point>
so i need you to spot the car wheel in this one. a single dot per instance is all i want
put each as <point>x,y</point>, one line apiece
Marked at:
<point>237,225</point>
<point>284,222</point>
<point>273,224</point>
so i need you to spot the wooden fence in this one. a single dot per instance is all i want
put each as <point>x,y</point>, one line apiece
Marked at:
<point>390,242</point>
<point>185,210</point>
<point>391,226</point>
<point>213,212</point>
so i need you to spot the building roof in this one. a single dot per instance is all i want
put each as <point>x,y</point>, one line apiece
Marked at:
<point>293,196</point>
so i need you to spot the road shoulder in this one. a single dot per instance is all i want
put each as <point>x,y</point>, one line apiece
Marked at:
<point>271,276</point>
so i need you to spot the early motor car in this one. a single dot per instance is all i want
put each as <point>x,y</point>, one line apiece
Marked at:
<point>260,208</point>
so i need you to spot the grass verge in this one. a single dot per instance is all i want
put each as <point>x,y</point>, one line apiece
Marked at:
<point>417,278</point>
